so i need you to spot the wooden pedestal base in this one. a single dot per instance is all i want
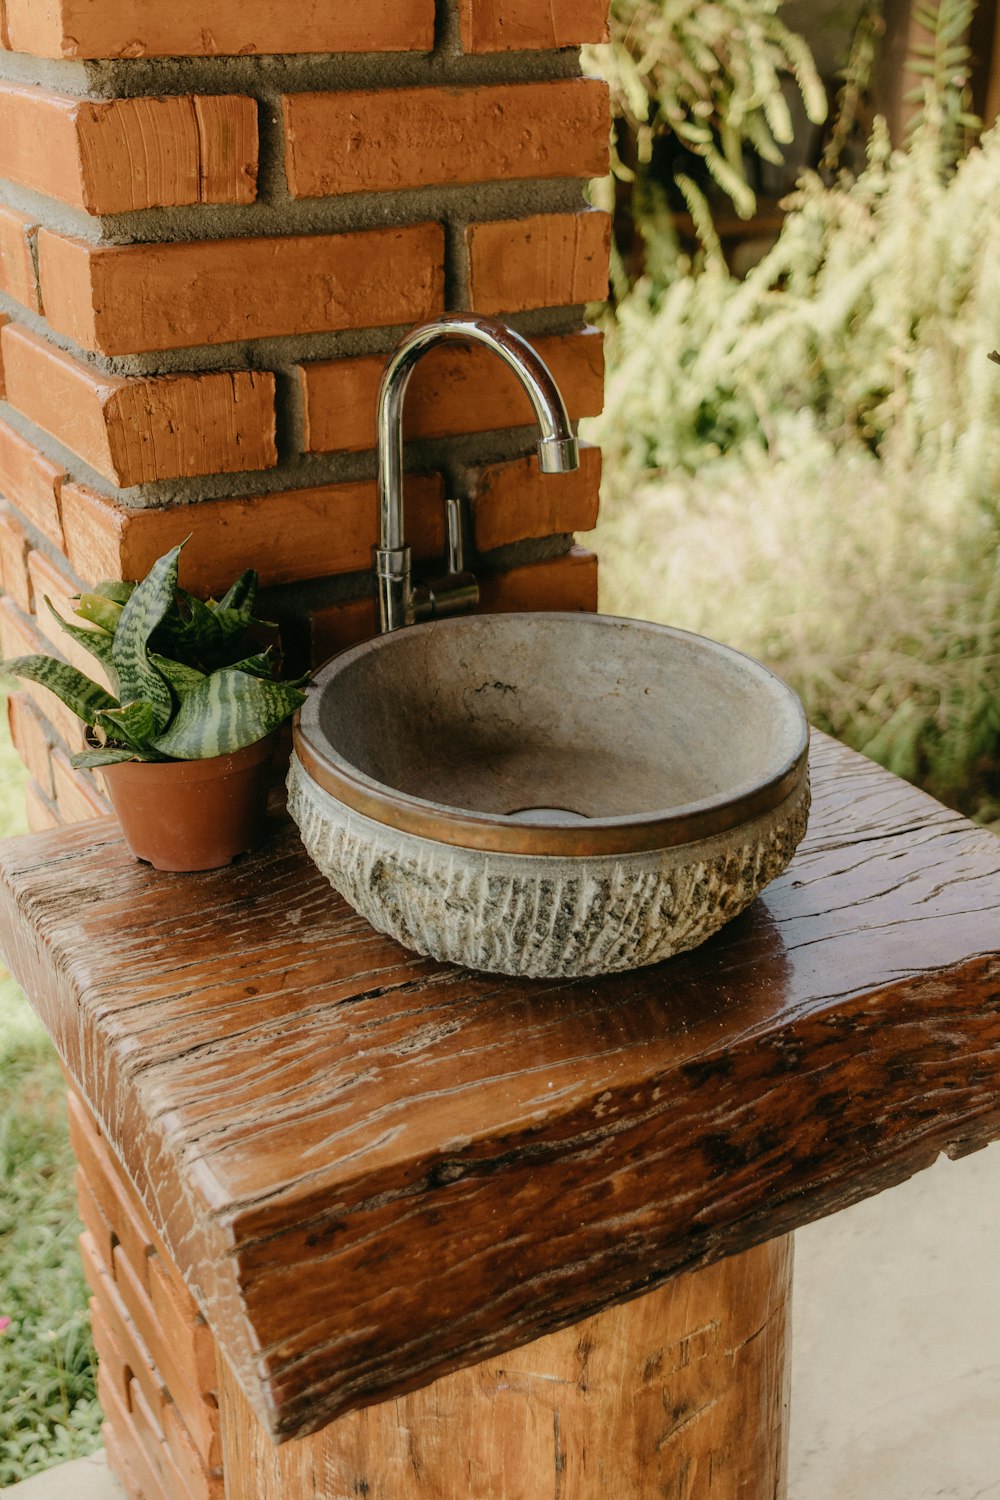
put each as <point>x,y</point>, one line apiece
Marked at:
<point>679,1395</point>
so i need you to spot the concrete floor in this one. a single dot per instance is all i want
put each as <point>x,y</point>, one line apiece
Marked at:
<point>896,1374</point>
<point>896,1364</point>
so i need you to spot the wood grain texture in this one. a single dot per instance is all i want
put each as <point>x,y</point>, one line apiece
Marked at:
<point>374,1169</point>
<point>678,1395</point>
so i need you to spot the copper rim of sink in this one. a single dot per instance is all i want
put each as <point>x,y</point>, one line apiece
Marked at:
<point>497,833</point>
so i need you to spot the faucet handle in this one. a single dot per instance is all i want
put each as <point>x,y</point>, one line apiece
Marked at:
<point>454,536</point>
<point>457,592</point>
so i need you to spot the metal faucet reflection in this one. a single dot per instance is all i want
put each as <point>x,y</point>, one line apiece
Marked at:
<point>399,601</point>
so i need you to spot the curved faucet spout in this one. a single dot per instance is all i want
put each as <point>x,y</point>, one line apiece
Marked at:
<point>557,445</point>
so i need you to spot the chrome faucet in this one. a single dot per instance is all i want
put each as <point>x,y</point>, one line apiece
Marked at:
<point>399,602</point>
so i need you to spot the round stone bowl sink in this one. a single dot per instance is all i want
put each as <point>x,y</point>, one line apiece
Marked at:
<point>549,794</point>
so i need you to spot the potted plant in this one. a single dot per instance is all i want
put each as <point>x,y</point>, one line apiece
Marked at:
<point>186,744</point>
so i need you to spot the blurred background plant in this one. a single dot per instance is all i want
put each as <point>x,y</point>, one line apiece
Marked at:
<point>697,95</point>
<point>805,460</point>
<point>48,1400</point>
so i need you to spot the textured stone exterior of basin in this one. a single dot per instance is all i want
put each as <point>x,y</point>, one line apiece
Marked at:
<point>541,915</point>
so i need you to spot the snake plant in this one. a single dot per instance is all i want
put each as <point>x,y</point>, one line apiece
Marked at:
<point>189,684</point>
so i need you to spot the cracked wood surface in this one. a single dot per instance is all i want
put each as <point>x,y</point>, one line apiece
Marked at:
<point>374,1169</point>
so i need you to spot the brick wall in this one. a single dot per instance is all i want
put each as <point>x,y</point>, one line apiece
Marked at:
<point>211,233</point>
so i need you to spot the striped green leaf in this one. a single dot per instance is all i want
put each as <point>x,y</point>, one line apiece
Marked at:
<point>134,726</point>
<point>116,589</point>
<point>241,594</point>
<point>84,697</point>
<point>99,611</point>
<point>149,602</point>
<point>97,642</point>
<point>190,633</point>
<point>105,755</point>
<point>182,679</point>
<point>229,710</point>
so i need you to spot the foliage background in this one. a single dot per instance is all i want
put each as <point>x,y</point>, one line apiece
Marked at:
<point>48,1403</point>
<point>806,462</point>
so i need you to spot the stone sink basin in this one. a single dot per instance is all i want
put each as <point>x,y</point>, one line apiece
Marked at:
<point>549,794</point>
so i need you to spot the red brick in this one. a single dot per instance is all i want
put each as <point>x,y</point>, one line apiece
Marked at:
<point>142,428</point>
<point>124,1449</point>
<point>454,389</point>
<point>179,1317</point>
<point>201,1482</point>
<point>129,1426</point>
<point>119,1204</point>
<point>31,481</point>
<point>94,1222</point>
<point>514,501</point>
<point>378,141</point>
<point>135,28</point>
<point>335,627</point>
<point>115,1315</point>
<point>77,798</point>
<point>193,1482</point>
<point>14,559</point>
<point>3,389</point>
<point>17,270</point>
<point>116,155</point>
<point>48,578</point>
<point>548,260</point>
<point>568,582</point>
<point>121,299</point>
<point>521,25</point>
<point>113,1360</point>
<point>41,811</point>
<point>287,536</point>
<point>195,1405</point>
<point>31,740</point>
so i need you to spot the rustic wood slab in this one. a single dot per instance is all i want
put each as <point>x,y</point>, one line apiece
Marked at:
<point>374,1169</point>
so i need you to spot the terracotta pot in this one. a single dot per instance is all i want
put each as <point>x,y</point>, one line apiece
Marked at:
<point>193,814</point>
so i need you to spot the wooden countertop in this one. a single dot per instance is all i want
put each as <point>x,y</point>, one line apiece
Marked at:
<point>373,1168</point>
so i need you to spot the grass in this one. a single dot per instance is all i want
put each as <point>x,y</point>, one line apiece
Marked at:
<point>48,1403</point>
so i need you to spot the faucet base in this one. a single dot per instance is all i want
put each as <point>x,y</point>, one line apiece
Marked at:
<point>394,590</point>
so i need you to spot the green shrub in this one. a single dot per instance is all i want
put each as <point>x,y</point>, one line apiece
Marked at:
<point>810,460</point>
<point>703,81</point>
<point>48,1406</point>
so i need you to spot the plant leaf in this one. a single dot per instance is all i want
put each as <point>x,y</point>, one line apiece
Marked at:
<point>84,697</point>
<point>99,611</point>
<point>97,642</point>
<point>228,711</point>
<point>149,602</point>
<point>259,665</point>
<point>191,634</point>
<point>117,589</point>
<point>241,594</point>
<point>105,755</point>
<point>182,678</point>
<point>133,724</point>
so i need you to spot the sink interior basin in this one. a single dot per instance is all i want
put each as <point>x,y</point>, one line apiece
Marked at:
<point>552,733</point>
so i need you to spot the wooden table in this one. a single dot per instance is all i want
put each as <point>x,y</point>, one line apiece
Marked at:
<point>490,1238</point>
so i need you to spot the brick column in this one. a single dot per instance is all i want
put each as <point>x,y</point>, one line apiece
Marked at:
<point>214,223</point>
